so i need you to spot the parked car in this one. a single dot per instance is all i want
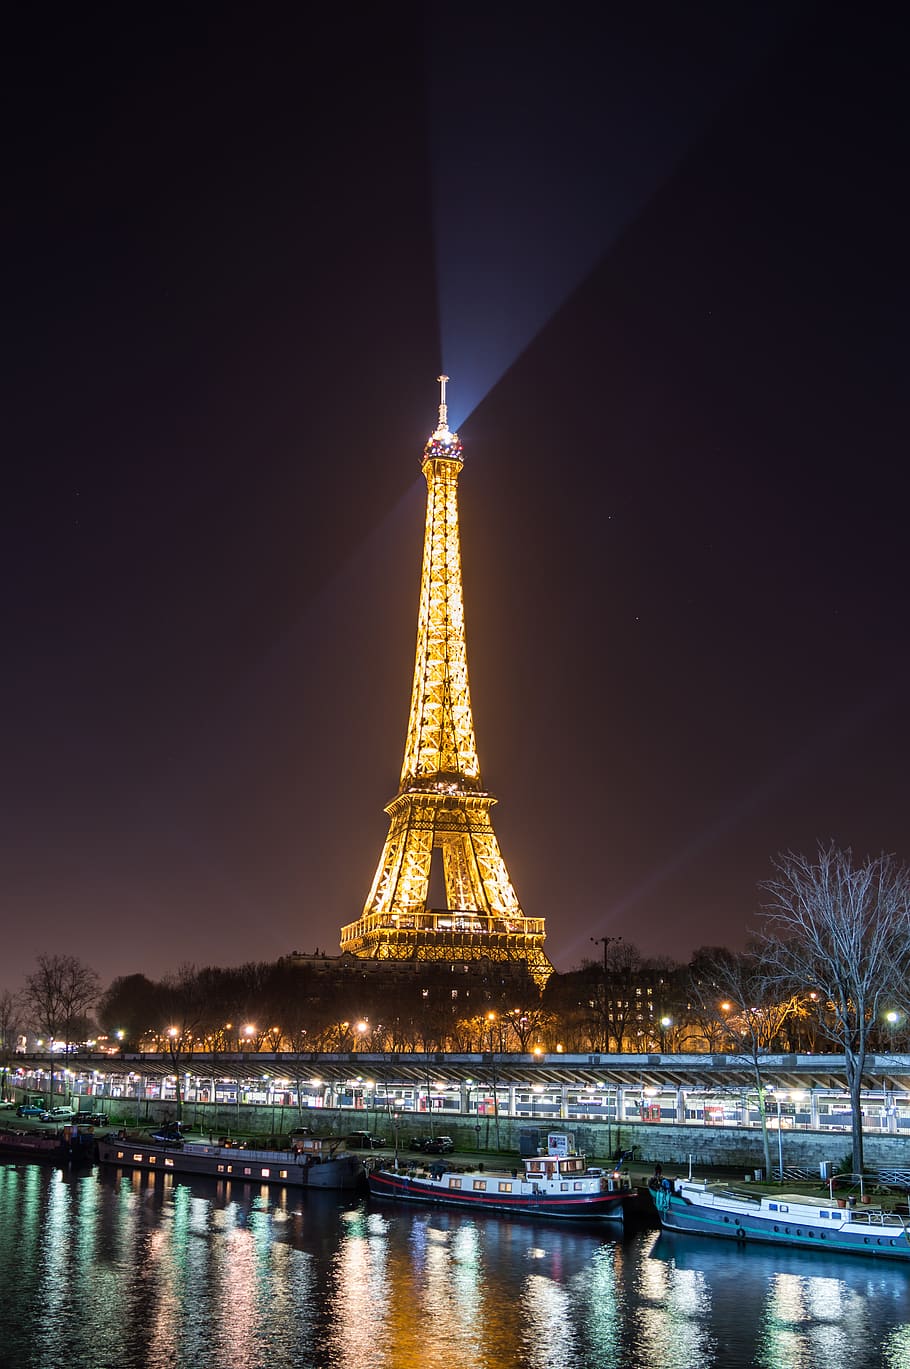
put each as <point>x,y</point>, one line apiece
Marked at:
<point>58,1114</point>
<point>364,1140</point>
<point>437,1145</point>
<point>91,1119</point>
<point>7,1103</point>
<point>30,1110</point>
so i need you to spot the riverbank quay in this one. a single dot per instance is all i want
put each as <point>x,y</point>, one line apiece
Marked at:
<point>715,1150</point>
<point>666,1107</point>
<point>888,1187</point>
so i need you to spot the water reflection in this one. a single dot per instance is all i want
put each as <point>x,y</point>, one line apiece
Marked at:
<point>121,1271</point>
<point>808,1311</point>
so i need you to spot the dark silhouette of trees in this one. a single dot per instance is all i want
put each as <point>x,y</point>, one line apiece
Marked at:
<point>10,1019</point>
<point>128,1006</point>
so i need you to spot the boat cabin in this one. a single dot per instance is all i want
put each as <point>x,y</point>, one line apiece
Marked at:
<point>554,1166</point>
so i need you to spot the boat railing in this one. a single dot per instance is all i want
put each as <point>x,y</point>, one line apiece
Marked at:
<point>244,1153</point>
<point>874,1216</point>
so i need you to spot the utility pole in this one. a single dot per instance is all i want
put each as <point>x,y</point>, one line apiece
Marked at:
<point>605,941</point>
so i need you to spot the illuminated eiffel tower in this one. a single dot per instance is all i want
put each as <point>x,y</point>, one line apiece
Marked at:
<point>441,804</point>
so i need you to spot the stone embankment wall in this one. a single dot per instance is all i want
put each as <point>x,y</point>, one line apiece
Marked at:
<point>709,1146</point>
<point>738,1148</point>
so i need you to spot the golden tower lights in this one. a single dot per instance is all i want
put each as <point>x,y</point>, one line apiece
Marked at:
<point>441,803</point>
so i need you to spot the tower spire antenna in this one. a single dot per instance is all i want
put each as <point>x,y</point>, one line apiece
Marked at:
<point>443,425</point>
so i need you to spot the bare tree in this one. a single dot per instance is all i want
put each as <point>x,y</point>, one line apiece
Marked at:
<point>58,994</point>
<point>843,929</point>
<point>748,1009</point>
<point>9,1030</point>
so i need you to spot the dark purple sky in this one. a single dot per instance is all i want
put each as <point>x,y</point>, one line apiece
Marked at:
<point>668,259</point>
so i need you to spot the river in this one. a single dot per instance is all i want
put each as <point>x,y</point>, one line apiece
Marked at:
<point>123,1271</point>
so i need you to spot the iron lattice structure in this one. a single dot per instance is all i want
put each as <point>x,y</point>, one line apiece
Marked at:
<point>441,803</point>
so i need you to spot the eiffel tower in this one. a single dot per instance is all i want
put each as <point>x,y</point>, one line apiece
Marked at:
<point>441,803</point>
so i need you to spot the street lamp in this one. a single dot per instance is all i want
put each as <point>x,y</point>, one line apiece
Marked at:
<point>491,1019</point>
<point>780,1138</point>
<point>892,1018</point>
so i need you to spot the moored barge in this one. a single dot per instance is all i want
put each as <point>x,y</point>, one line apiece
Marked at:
<point>312,1164</point>
<point>705,1209</point>
<point>557,1184</point>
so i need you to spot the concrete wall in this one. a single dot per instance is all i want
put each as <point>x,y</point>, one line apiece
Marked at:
<point>671,1144</point>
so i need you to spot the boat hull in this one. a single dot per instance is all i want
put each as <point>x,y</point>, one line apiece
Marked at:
<point>808,1225</point>
<point>286,1168</point>
<point>403,1187</point>
<point>69,1149</point>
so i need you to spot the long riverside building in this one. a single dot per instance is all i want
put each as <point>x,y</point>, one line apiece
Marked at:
<point>805,1091</point>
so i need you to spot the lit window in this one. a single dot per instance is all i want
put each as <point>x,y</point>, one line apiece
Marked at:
<point>266,1173</point>
<point>481,1184</point>
<point>505,1188</point>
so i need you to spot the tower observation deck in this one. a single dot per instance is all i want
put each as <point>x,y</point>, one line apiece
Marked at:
<point>441,804</point>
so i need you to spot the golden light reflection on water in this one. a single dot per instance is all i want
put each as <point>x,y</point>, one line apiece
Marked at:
<point>158,1274</point>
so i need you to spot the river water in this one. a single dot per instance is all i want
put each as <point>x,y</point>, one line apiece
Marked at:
<point>123,1271</point>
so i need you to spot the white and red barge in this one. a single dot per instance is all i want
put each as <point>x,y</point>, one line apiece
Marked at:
<point>556,1184</point>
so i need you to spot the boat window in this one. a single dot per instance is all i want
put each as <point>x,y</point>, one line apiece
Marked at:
<point>578,1186</point>
<point>481,1184</point>
<point>168,1162</point>
<point>266,1173</point>
<point>454,1183</point>
<point>505,1187</point>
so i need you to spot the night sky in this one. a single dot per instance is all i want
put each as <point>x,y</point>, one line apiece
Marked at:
<point>663,260</point>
